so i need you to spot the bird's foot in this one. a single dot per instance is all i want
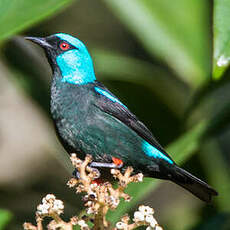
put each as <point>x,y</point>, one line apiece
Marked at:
<point>77,175</point>
<point>117,163</point>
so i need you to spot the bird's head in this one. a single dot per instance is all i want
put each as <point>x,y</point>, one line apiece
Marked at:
<point>68,55</point>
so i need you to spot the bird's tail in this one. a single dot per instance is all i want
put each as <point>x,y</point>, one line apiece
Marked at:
<point>194,185</point>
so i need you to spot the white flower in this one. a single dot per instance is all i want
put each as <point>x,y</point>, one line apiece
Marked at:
<point>113,201</point>
<point>93,185</point>
<point>138,216</point>
<point>75,161</point>
<point>90,210</point>
<point>113,171</point>
<point>89,203</point>
<point>121,225</point>
<point>44,201</point>
<point>50,197</point>
<point>50,204</point>
<point>58,206</point>
<point>149,228</point>
<point>151,220</point>
<point>140,177</point>
<point>146,210</point>
<point>158,227</point>
<point>83,224</point>
<point>43,209</point>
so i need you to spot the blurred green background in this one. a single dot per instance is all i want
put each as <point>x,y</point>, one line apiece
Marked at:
<point>167,60</point>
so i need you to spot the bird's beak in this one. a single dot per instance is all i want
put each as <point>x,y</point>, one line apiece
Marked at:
<point>40,41</point>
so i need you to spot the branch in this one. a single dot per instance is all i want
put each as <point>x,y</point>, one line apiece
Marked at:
<point>99,199</point>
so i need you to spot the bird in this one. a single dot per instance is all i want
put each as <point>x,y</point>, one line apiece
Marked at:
<point>89,119</point>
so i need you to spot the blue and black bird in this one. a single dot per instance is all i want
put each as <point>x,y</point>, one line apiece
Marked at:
<point>89,119</point>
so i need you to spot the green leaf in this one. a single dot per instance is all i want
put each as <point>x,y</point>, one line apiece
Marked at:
<point>221,29</point>
<point>5,217</point>
<point>177,32</point>
<point>16,15</point>
<point>180,150</point>
<point>217,169</point>
<point>124,68</point>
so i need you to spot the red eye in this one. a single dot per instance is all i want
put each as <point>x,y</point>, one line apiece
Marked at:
<point>64,46</point>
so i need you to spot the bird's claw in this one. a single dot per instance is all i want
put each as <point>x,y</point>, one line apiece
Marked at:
<point>95,171</point>
<point>117,163</point>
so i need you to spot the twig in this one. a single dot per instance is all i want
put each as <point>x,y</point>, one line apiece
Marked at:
<point>98,200</point>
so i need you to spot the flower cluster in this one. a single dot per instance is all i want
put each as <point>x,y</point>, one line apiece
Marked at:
<point>102,195</point>
<point>99,198</point>
<point>50,205</point>
<point>144,216</point>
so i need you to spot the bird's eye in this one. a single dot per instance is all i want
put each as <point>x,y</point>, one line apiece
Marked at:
<point>64,46</point>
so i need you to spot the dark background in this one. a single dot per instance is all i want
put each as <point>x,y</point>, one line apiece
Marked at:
<point>173,94</point>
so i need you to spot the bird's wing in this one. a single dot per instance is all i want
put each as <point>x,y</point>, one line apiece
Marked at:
<point>110,104</point>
